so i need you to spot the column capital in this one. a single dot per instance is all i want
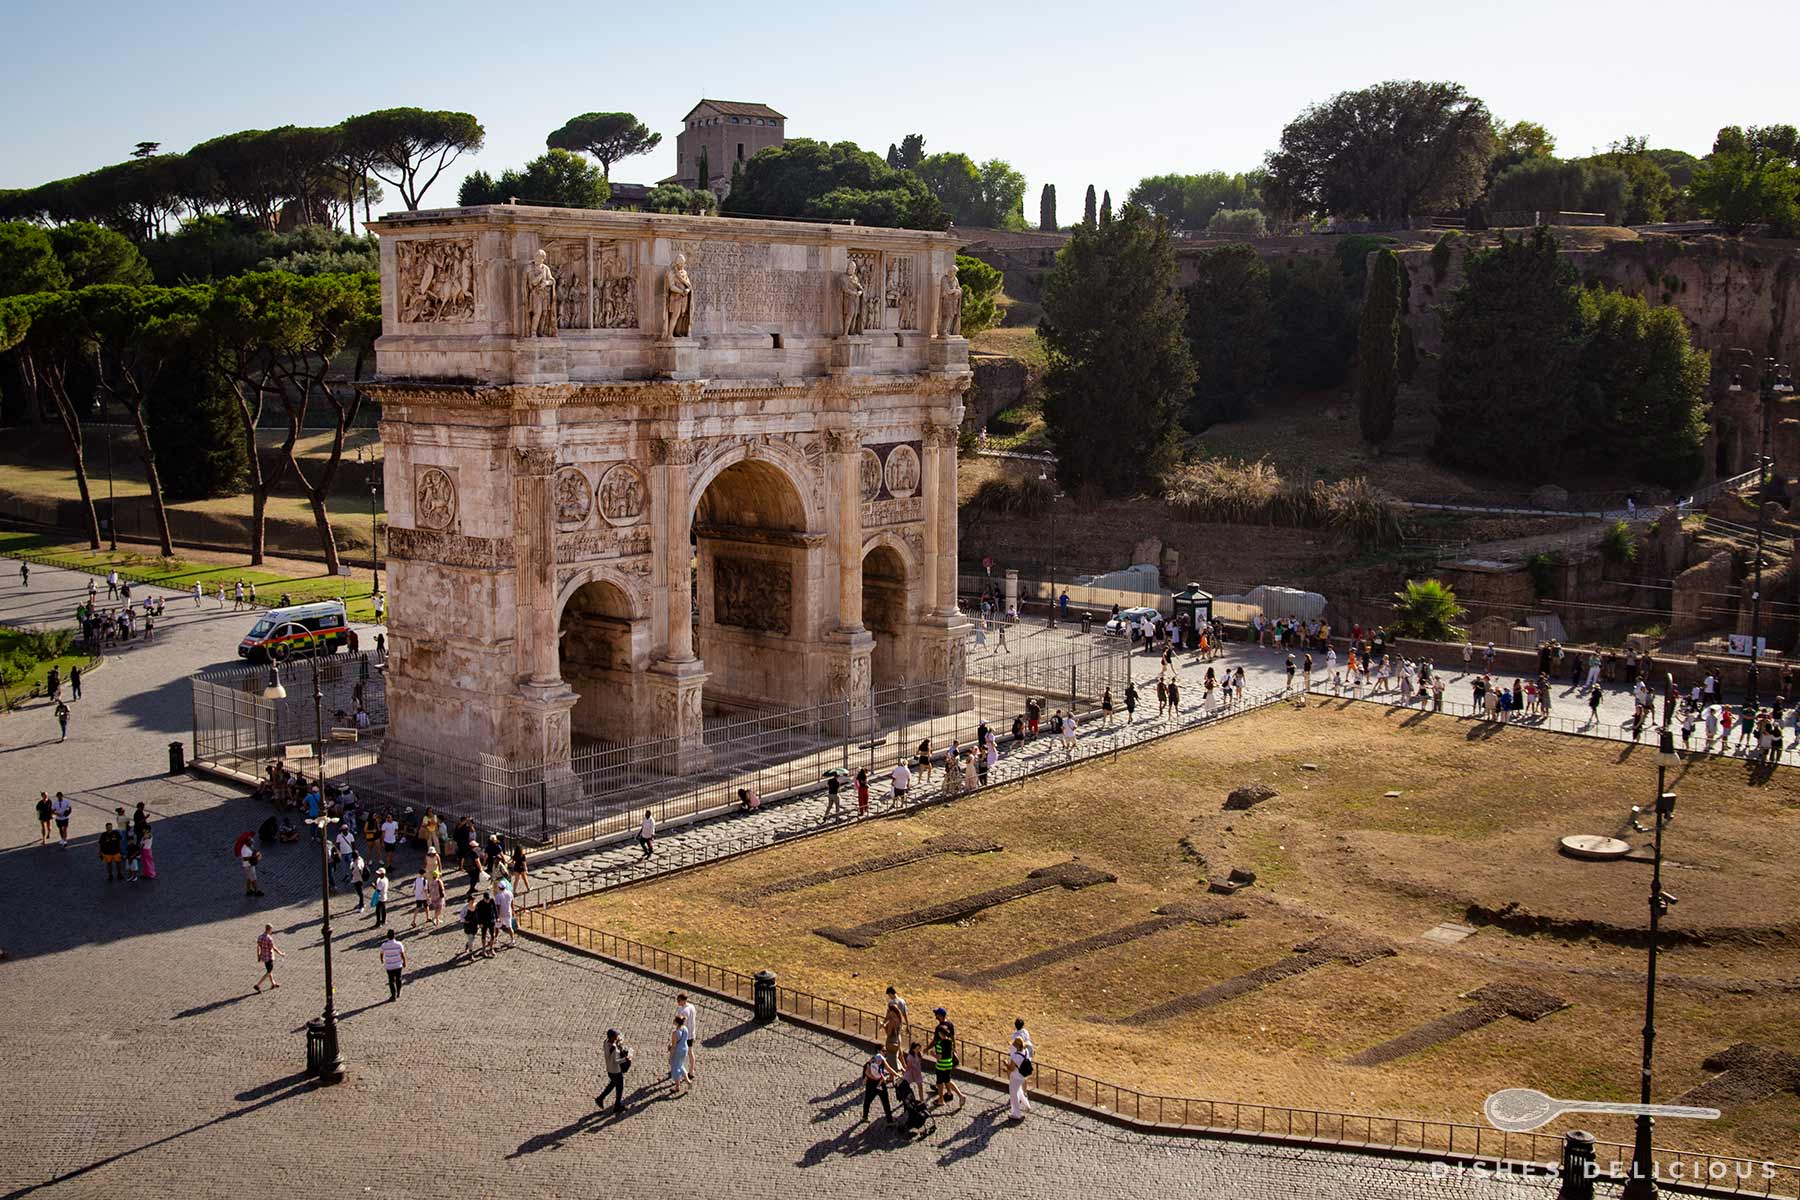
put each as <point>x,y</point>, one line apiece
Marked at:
<point>672,451</point>
<point>534,460</point>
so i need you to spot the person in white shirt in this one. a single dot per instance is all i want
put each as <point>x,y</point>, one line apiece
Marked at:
<point>1016,1064</point>
<point>503,911</point>
<point>390,835</point>
<point>1022,1034</point>
<point>418,900</point>
<point>902,779</point>
<point>685,1008</point>
<point>393,961</point>
<point>647,834</point>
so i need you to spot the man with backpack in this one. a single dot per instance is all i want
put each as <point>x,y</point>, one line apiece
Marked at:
<point>618,1061</point>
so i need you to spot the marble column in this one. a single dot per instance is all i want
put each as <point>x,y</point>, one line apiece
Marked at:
<point>845,450</point>
<point>940,518</point>
<point>676,683</point>
<point>534,539</point>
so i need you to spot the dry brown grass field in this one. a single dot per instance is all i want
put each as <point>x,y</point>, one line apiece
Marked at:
<point>1470,838</point>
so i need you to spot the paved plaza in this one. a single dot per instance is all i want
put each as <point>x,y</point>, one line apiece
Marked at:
<point>137,1058</point>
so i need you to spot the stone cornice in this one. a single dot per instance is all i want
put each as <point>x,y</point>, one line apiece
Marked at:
<point>572,222</point>
<point>450,549</point>
<point>662,393</point>
<point>760,536</point>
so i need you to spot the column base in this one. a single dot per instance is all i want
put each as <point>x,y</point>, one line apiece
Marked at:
<point>944,645</point>
<point>850,675</point>
<point>538,723</point>
<point>675,690</point>
<point>676,358</point>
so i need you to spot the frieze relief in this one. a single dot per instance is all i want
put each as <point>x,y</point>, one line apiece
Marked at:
<point>434,499</point>
<point>585,544</point>
<point>893,512</point>
<point>900,295</point>
<point>450,549</point>
<point>568,259</point>
<point>435,279</point>
<point>753,593</point>
<point>868,269</point>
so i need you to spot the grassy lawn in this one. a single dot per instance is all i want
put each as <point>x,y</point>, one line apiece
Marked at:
<point>141,567</point>
<point>1394,824</point>
<point>18,650</point>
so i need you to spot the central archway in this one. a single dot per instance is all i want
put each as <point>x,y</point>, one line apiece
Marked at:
<point>756,571</point>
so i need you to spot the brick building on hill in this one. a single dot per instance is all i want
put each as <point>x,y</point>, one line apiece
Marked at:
<point>730,132</point>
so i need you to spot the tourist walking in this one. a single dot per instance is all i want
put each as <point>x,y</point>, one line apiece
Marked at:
<point>62,720</point>
<point>521,882</point>
<point>393,961</point>
<point>618,1061</point>
<point>381,897</point>
<point>419,888</point>
<point>689,1017</point>
<point>248,857</point>
<point>75,683</point>
<point>358,870</point>
<point>901,778</point>
<point>1131,701</point>
<point>503,912</point>
<point>834,805</point>
<point>893,1022</point>
<point>944,1061</point>
<point>862,791</point>
<point>44,818</point>
<point>1018,1069</point>
<point>1174,698</point>
<point>266,953</point>
<point>679,1041</point>
<point>877,1076</point>
<point>925,762</point>
<point>646,836</point>
<point>484,920</point>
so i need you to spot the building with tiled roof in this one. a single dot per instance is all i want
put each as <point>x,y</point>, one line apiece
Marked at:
<point>728,132</point>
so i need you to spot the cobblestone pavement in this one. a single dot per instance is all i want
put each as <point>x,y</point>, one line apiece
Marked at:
<point>138,1060</point>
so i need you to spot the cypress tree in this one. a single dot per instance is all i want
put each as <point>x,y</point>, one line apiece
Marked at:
<point>893,155</point>
<point>1047,209</point>
<point>1088,210</point>
<point>1106,209</point>
<point>705,171</point>
<point>1378,350</point>
<point>1120,371</point>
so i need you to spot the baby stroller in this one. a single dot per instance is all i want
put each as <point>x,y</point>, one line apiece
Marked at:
<point>915,1118</point>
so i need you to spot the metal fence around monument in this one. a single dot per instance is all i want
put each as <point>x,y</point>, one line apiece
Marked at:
<point>605,790</point>
<point>238,729</point>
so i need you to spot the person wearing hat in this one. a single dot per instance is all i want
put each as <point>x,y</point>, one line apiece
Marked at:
<point>381,895</point>
<point>618,1061</point>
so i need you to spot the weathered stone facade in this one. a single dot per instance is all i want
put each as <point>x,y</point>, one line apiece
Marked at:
<point>605,533</point>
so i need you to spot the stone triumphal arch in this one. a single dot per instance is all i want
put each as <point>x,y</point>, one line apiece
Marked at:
<point>643,468</point>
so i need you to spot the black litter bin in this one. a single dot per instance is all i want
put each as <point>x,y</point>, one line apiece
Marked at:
<point>1577,1166</point>
<point>765,996</point>
<point>315,1047</point>
<point>177,758</point>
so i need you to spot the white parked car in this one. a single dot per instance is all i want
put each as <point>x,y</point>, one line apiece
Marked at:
<point>1132,621</point>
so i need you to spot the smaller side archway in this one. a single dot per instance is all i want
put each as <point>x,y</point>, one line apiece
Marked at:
<point>603,648</point>
<point>886,615</point>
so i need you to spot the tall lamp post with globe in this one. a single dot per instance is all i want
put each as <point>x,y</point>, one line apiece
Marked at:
<point>1642,1184</point>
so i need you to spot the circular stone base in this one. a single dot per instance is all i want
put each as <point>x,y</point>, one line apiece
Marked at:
<point>1593,845</point>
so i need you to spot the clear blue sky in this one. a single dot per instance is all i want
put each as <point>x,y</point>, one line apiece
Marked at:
<point>1070,93</point>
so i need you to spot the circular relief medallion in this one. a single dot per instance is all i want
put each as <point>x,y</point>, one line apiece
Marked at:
<point>902,471</point>
<point>434,500</point>
<point>871,475</point>
<point>622,494</point>
<point>574,500</point>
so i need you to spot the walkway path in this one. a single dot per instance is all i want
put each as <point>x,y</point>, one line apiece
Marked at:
<point>139,1062</point>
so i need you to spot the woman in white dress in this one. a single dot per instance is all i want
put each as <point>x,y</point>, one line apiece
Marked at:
<point>1015,1079</point>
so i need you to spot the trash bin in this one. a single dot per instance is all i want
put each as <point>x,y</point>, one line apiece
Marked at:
<point>315,1047</point>
<point>1577,1166</point>
<point>177,758</point>
<point>765,996</point>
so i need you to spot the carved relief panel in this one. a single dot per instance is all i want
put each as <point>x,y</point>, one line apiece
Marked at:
<point>900,294</point>
<point>622,494</point>
<point>868,268</point>
<point>435,279</point>
<point>892,481</point>
<point>753,593</point>
<point>871,475</point>
<point>568,258</point>
<point>574,498</point>
<point>901,472</point>
<point>434,499</point>
<point>615,285</point>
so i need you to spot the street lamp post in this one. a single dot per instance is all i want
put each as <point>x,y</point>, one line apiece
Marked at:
<point>1642,1184</point>
<point>374,538</point>
<point>330,1064</point>
<point>112,505</point>
<point>1777,381</point>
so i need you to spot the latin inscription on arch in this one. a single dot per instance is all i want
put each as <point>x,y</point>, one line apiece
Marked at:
<point>738,284</point>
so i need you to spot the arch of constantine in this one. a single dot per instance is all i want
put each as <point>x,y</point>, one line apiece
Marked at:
<point>645,468</point>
